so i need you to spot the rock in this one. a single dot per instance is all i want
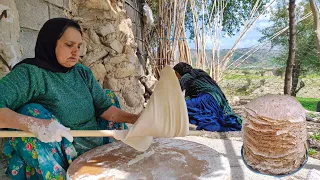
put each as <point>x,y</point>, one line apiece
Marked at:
<point>10,49</point>
<point>124,70</point>
<point>149,81</point>
<point>28,42</point>
<point>132,92</point>
<point>56,12</point>
<point>99,71</point>
<point>318,107</point>
<point>108,39</point>
<point>32,13</point>
<point>94,37</point>
<point>7,53</point>
<point>93,56</point>
<point>98,4</point>
<point>132,99</point>
<point>118,59</point>
<point>235,100</point>
<point>125,32</point>
<point>117,46</point>
<point>83,48</point>
<point>268,73</point>
<point>90,45</point>
<point>112,84</point>
<point>58,3</point>
<point>105,30</point>
<point>108,66</point>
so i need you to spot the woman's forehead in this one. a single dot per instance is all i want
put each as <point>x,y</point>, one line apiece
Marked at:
<point>72,35</point>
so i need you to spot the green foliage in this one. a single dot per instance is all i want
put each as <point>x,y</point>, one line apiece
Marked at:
<point>315,136</point>
<point>306,50</point>
<point>279,71</point>
<point>235,14</point>
<point>313,75</point>
<point>312,151</point>
<point>308,103</point>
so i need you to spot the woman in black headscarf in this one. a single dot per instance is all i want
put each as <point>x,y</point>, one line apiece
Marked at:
<point>207,105</point>
<point>48,93</point>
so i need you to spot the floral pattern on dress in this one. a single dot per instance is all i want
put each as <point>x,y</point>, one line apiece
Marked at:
<point>29,158</point>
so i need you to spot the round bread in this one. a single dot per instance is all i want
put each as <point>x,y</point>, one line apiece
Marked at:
<point>274,134</point>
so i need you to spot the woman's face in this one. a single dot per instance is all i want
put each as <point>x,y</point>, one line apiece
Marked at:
<point>68,47</point>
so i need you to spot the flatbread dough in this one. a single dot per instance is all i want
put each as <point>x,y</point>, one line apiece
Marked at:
<point>165,116</point>
<point>166,159</point>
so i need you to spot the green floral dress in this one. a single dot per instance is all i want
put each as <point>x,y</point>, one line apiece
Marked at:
<point>31,159</point>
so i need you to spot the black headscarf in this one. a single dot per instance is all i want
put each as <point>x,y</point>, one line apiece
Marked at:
<point>198,74</point>
<point>183,68</point>
<point>45,51</point>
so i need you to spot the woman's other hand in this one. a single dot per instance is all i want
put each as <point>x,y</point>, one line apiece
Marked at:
<point>49,131</point>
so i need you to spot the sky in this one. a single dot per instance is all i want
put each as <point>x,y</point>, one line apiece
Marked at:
<point>250,39</point>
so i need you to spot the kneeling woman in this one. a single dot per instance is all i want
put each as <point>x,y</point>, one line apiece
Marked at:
<point>207,106</point>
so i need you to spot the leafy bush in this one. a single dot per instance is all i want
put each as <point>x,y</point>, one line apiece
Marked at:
<point>315,136</point>
<point>312,151</point>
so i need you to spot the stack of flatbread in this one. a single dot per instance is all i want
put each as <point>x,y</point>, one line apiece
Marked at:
<point>274,134</point>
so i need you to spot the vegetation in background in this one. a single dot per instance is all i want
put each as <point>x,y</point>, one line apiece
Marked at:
<point>306,50</point>
<point>315,136</point>
<point>309,103</point>
<point>233,17</point>
<point>312,151</point>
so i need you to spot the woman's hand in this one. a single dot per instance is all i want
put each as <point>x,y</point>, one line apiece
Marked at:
<point>45,130</point>
<point>49,131</point>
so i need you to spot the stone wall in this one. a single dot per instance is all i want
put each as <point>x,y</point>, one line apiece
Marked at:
<point>109,43</point>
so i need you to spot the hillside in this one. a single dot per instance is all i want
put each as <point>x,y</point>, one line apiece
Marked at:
<point>260,59</point>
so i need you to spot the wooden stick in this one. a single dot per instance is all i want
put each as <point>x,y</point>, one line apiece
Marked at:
<point>74,133</point>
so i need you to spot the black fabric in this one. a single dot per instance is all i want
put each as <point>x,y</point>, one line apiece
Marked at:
<point>45,56</point>
<point>182,68</point>
<point>198,74</point>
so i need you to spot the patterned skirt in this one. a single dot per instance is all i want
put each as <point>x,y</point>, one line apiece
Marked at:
<point>29,158</point>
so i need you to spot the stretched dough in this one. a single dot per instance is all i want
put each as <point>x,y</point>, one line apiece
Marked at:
<point>165,116</point>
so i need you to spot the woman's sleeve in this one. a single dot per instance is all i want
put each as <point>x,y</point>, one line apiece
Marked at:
<point>100,100</point>
<point>19,87</point>
<point>186,84</point>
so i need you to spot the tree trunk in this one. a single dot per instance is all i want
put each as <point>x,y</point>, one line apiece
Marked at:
<point>316,19</point>
<point>295,78</point>
<point>292,46</point>
<point>297,70</point>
